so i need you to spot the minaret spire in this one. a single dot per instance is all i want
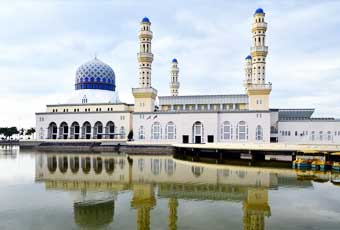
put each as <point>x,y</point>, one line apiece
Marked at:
<point>174,83</point>
<point>145,56</point>
<point>259,50</point>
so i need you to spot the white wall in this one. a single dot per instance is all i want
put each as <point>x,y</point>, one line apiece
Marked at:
<point>211,123</point>
<point>304,131</point>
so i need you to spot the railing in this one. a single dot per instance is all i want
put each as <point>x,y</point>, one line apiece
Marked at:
<point>259,24</point>
<point>145,32</point>
<point>260,86</point>
<point>259,49</point>
<point>149,55</point>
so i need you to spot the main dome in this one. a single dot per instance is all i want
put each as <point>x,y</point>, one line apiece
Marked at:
<point>95,74</point>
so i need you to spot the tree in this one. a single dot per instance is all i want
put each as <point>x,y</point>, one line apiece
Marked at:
<point>9,132</point>
<point>130,135</point>
<point>30,132</point>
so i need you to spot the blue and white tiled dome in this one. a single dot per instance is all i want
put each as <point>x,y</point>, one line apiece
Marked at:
<point>95,74</point>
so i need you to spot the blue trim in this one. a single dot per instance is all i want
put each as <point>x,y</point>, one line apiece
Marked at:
<point>102,86</point>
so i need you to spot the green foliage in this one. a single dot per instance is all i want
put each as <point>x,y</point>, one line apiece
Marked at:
<point>30,131</point>
<point>8,132</point>
<point>130,135</point>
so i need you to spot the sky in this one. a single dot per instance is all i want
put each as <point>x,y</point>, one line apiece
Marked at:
<point>42,42</point>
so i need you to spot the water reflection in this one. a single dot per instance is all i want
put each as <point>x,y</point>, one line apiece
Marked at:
<point>98,179</point>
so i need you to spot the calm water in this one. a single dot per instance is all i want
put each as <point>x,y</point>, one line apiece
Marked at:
<point>72,191</point>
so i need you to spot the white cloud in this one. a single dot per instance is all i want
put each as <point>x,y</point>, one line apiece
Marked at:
<point>43,42</point>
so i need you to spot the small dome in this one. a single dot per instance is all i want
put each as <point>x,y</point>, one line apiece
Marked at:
<point>259,11</point>
<point>95,74</point>
<point>146,19</point>
<point>174,60</point>
<point>248,57</point>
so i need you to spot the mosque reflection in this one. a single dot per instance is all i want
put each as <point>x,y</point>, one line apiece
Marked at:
<point>97,179</point>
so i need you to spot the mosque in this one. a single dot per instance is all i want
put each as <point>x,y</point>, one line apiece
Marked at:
<point>94,111</point>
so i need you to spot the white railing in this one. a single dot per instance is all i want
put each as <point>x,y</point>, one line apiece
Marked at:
<point>259,24</point>
<point>259,49</point>
<point>260,86</point>
<point>143,54</point>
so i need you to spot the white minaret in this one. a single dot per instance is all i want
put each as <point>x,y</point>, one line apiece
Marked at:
<point>259,50</point>
<point>174,83</point>
<point>255,69</point>
<point>145,56</point>
<point>144,95</point>
<point>247,72</point>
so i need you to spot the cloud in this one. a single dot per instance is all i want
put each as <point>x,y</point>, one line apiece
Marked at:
<point>43,42</point>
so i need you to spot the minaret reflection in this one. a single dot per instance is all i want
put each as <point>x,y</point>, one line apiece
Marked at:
<point>143,200</point>
<point>255,209</point>
<point>173,204</point>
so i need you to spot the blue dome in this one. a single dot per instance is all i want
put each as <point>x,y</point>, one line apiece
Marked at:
<point>95,74</point>
<point>259,11</point>
<point>248,57</point>
<point>146,19</point>
<point>174,60</point>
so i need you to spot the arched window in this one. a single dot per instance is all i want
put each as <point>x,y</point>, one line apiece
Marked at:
<point>242,131</point>
<point>156,166</point>
<point>198,132</point>
<point>170,131</point>
<point>156,131</point>
<point>312,137</point>
<point>259,133</point>
<point>329,136</point>
<point>141,133</point>
<point>226,131</point>
<point>122,132</point>
<point>321,136</point>
<point>110,129</point>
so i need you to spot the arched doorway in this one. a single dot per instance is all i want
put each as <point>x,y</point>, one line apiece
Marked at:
<point>63,130</point>
<point>52,131</point>
<point>98,130</point>
<point>86,130</point>
<point>197,133</point>
<point>75,130</point>
<point>110,129</point>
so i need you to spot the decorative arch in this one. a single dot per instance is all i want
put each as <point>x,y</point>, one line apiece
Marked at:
<point>141,133</point>
<point>242,131</point>
<point>75,130</point>
<point>197,171</point>
<point>110,130</point>
<point>86,164</point>
<point>156,131</point>
<point>52,164</point>
<point>109,165</point>
<point>98,130</point>
<point>63,164</point>
<point>122,132</point>
<point>63,130</point>
<point>52,130</point>
<point>74,164</point>
<point>226,131</point>
<point>259,133</point>
<point>86,130</point>
<point>197,132</point>
<point>156,166</point>
<point>169,166</point>
<point>170,131</point>
<point>97,165</point>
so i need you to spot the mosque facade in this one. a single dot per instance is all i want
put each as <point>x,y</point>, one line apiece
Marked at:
<point>95,111</point>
